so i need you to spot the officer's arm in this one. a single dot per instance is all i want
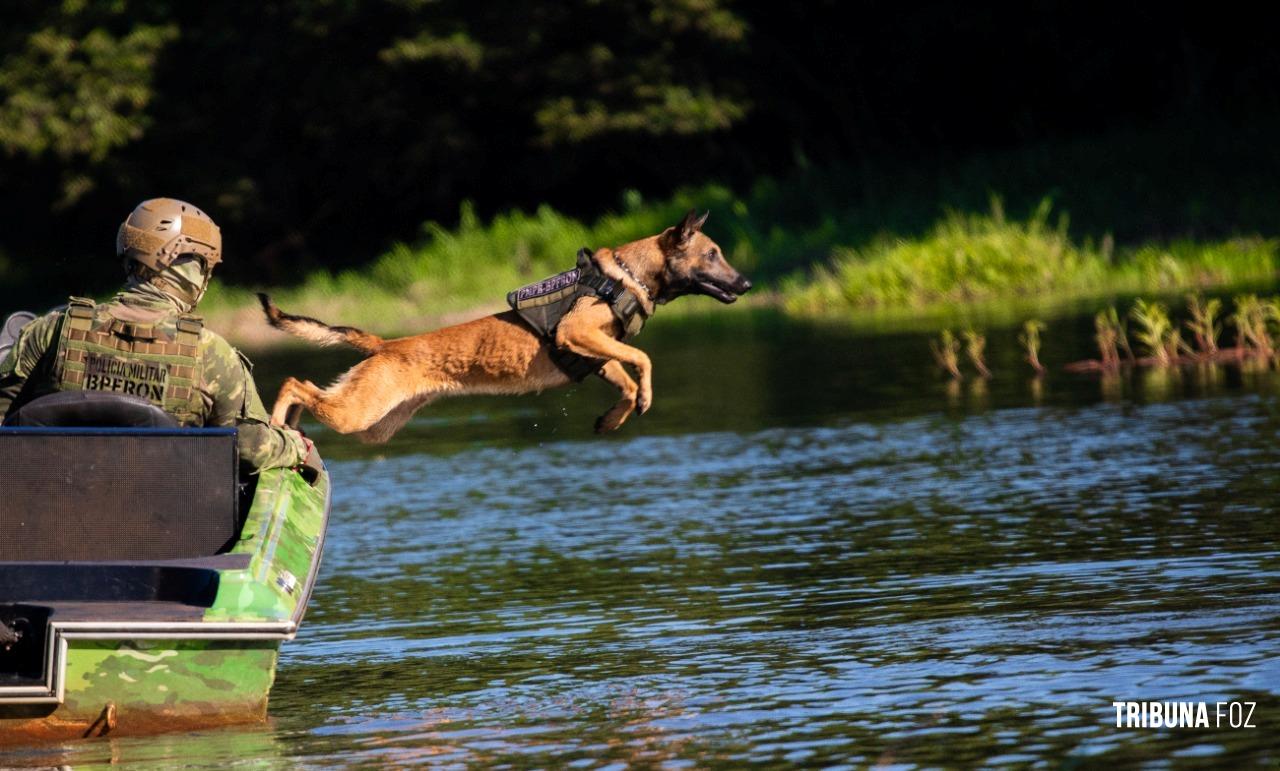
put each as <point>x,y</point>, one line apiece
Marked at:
<point>24,358</point>
<point>235,402</point>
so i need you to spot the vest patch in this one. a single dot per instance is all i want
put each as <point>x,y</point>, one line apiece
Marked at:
<point>107,373</point>
<point>547,286</point>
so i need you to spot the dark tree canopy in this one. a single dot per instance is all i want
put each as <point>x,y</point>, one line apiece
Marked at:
<point>317,131</point>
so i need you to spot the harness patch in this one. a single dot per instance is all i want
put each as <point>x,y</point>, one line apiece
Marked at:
<point>107,373</point>
<point>544,290</point>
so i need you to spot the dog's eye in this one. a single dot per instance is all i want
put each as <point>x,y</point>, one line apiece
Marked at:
<point>713,255</point>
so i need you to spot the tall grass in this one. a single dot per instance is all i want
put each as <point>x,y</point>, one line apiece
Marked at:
<point>968,258</point>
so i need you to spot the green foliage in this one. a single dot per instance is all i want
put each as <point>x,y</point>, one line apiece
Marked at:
<point>319,133</point>
<point>458,49</point>
<point>74,88</point>
<point>664,109</point>
<point>964,257</point>
<point>974,257</point>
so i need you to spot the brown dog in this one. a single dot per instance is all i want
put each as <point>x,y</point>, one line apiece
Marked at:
<point>501,354</point>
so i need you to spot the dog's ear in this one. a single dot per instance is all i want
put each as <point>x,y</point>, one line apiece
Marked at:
<point>680,235</point>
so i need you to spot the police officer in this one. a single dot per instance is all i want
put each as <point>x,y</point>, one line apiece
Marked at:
<point>144,342</point>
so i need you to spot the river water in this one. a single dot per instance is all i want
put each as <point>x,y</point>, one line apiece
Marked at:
<point>813,551</point>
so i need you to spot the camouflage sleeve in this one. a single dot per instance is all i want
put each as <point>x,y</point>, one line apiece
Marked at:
<point>232,400</point>
<point>24,358</point>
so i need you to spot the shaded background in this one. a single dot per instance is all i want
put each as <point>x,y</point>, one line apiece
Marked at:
<point>318,133</point>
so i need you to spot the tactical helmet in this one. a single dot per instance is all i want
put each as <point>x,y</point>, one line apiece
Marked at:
<point>160,229</point>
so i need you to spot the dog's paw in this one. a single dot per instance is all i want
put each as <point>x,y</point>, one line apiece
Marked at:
<point>643,402</point>
<point>612,420</point>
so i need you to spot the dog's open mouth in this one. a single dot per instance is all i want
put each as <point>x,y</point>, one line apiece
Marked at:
<point>721,294</point>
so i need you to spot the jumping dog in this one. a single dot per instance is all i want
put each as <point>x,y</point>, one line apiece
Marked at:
<point>501,354</point>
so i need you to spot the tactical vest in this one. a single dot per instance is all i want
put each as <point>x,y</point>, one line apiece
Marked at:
<point>158,362</point>
<point>543,304</point>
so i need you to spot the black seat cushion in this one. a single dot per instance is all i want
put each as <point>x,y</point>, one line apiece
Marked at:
<point>90,409</point>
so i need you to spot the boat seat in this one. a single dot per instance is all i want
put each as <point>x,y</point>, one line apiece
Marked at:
<point>98,492</point>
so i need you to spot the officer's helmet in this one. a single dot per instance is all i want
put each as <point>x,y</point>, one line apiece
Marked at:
<point>161,229</point>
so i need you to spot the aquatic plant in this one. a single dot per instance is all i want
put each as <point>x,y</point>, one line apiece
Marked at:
<point>1162,339</point>
<point>1203,324</point>
<point>1271,310</point>
<point>1108,330</point>
<point>1250,320</point>
<point>975,346</point>
<point>1030,340</point>
<point>1122,334</point>
<point>946,352</point>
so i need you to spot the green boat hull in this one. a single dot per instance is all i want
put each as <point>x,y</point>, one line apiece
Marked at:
<point>121,669</point>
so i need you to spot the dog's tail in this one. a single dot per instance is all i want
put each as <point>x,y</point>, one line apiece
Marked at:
<point>317,331</point>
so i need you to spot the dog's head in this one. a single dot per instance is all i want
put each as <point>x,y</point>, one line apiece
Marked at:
<point>694,264</point>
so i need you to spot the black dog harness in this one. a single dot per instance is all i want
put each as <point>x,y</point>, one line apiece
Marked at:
<point>542,305</point>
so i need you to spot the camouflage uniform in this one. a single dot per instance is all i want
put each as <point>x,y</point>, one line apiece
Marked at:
<point>223,391</point>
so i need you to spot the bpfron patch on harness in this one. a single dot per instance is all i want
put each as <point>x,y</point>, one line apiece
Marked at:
<point>546,291</point>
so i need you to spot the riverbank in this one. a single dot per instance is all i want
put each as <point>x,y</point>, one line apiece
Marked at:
<point>968,266</point>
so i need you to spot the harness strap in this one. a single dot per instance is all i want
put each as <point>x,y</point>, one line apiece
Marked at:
<point>542,305</point>
<point>626,307</point>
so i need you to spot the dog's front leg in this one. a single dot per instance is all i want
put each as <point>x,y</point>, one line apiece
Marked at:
<point>614,373</point>
<point>586,330</point>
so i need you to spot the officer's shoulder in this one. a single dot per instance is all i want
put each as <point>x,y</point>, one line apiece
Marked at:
<point>217,346</point>
<point>211,339</point>
<point>47,322</point>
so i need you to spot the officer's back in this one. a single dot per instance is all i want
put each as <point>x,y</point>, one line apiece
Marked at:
<point>147,343</point>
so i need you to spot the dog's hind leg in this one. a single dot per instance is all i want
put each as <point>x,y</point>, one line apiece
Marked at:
<point>615,374</point>
<point>347,406</point>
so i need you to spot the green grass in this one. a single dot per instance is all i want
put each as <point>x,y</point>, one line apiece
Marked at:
<point>970,258</point>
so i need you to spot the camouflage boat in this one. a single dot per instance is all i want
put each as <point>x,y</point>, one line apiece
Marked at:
<point>145,585</point>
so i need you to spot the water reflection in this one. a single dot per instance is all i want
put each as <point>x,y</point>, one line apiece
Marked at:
<point>863,566</point>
